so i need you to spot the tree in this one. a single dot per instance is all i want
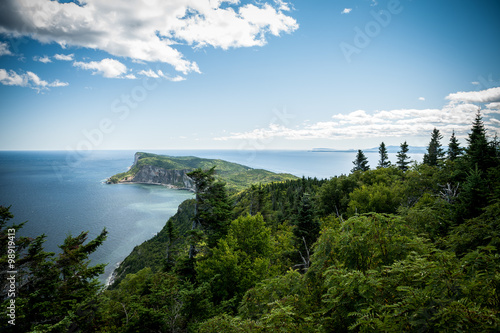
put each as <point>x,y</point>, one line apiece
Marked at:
<point>361,162</point>
<point>306,228</point>
<point>454,149</point>
<point>384,158</point>
<point>53,293</point>
<point>403,158</point>
<point>479,152</point>
<point>202,181</point>
<point>434,151</point>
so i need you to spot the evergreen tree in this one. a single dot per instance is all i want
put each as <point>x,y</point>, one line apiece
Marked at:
<point>384,158</point>
<point>306,228</point>
<point>172,235</point>
<point>202,181</point>
<point>434,151</point>
<point>454,149</point>
<point>479,152</point>
<point>361,162</point>
<point>403,158</point>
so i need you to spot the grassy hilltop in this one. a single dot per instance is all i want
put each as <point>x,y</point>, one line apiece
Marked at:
<point>236,176</point>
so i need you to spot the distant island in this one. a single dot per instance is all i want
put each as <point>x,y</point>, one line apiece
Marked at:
<point>172,172</point>
<point>390,149</point>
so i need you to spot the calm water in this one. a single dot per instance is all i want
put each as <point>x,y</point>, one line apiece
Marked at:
<point>60,193</point>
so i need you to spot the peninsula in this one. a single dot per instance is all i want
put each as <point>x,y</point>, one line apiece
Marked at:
<point>172,172</point>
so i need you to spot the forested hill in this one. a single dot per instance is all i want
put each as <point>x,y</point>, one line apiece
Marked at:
<point>170,170</point>
<point>402,247</point>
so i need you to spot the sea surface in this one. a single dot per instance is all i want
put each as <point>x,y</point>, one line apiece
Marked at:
<point>63,193</point>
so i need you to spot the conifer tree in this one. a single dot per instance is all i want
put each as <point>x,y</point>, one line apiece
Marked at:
<point>434,150</point>
<point>403,158</point>
<point>361,162</point>
<point>479,152</point>
<point>454,149</point>
<point>384,158</point>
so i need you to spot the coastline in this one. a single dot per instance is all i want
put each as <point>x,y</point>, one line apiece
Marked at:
<point>170,186</point>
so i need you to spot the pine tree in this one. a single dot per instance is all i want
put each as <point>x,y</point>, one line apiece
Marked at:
<point>479,152</point>
<point>306,228</point>
<point>361,162</point>
<point>384,158</point>
<point>202,181</point>
<point>403,158</point>
<point>434,151</point>
<point>454,149</point>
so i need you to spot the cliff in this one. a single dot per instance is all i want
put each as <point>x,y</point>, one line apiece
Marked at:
<point>172,171</point>
<point>149,174</point>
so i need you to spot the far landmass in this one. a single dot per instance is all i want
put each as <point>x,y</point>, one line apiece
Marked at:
<point>172,172</point>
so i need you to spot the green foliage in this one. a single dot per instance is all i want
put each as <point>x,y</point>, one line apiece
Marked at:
<point>435,152</point>
<point>403,158</point>
<point>360,163</point>
<point>239,260</point>
<point>236,176</point>
<point>454,150</point>
<point>379,198</point>
<point>384,157</point>
<point>419,253</point>
<point>54,293</point>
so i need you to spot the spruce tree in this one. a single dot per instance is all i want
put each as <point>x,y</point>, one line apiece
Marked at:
<point>454,149</point>
<point>384,158</point>
<point>479,152</point>
<point>403,158</point>
<point>361,162</point>
<point>434,150</point>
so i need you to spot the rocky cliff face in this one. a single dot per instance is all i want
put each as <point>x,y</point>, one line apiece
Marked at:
<point>149,174</point>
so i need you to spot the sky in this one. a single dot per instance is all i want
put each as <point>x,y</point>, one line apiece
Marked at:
<point>230,74</point>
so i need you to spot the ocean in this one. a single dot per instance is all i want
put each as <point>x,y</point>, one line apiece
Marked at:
<point>61,193</point>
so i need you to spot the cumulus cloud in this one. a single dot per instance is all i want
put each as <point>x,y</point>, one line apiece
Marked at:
<point>159,74</point>
<point>109,68</point>
<point>4,49</point>
<point>44,59</point>
<point>453,116</point>
<point>421,98</point>
<point>147,30</point>
<point>346,11</point>
<point>64,57</point>
<point>28,79</point>
<point>482,96</point>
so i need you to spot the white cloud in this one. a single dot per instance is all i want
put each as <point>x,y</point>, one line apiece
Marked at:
<point>159,74</point>
<point>453,116</point>
<point>421,98</point>
<point>4,49</point>
<point>44,59</point>
<point>109,68</point>
<point>147,30</point>
<point>28,79</point>
<point>64,57</point>
<point>346,11</point>
<point>482,96</point>
<point>495,106</point>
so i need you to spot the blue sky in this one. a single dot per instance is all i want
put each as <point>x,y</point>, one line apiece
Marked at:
<point>269,74</point>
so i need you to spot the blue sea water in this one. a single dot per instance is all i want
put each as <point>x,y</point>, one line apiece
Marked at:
<point>61,193</point>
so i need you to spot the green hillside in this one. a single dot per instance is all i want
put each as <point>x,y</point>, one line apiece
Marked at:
<point>236,176</point>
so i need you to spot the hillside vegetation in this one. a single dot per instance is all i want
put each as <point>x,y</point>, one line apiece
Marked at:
<point>409,247</point>
<point>236,176</point>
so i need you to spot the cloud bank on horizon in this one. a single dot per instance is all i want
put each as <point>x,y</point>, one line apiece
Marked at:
<point>456,116</point>
<point>141,30</point>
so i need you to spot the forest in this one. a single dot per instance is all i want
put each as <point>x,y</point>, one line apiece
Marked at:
<point>396,247</point>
